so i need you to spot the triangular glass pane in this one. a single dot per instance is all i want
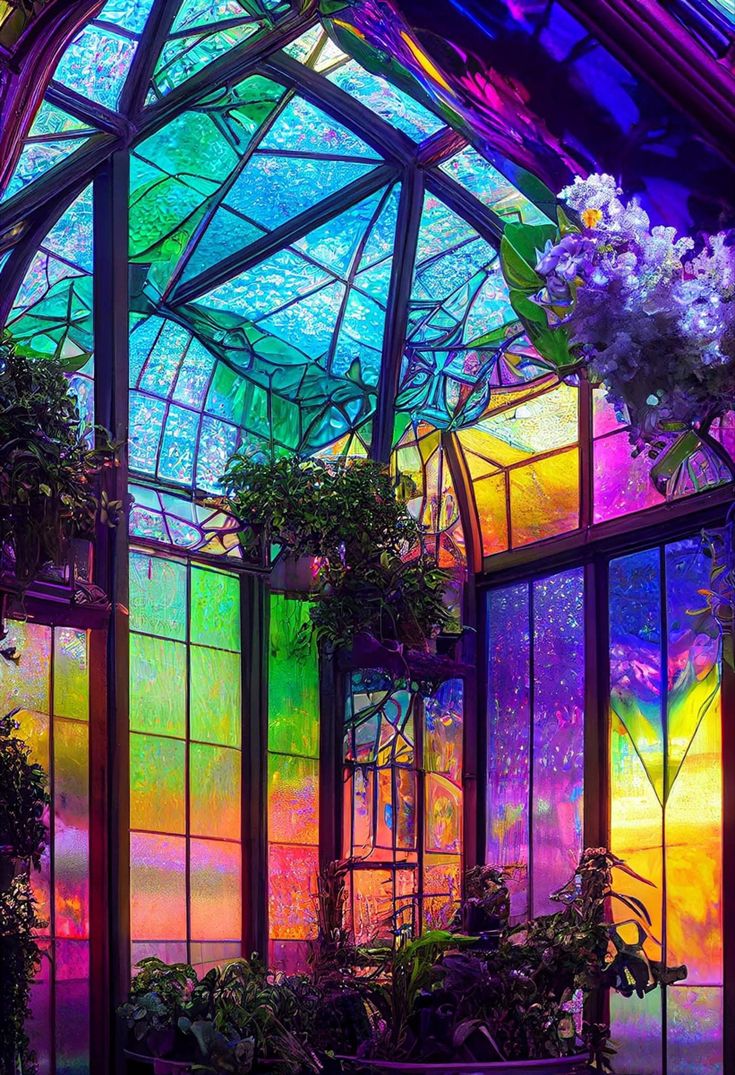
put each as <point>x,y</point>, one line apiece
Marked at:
<point>130,15</point>
<point>304,128</point>
<point>335,243</point>
<point>205,30</point>
<point>273,189</point>
<point>54,136</point>
<point>385,100</point>
<point>478,175</point>
<point>96,64</point>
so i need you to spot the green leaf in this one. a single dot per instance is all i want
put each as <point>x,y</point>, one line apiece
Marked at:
<point>519,250</point>
<point>526,309</point>
<point>566,225</point>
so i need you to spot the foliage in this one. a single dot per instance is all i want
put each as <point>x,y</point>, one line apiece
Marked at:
<point>159,994</point>
<point>719,595</point>
<point>507,994</point>
<point>48,469</point>
<point>373,575</point>
<point>23,797</point>
<point>20,959</point>
<point>631,304</point>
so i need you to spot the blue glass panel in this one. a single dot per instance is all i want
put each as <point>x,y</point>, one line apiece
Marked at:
<point>54,136</point>
<point>130,15</point>
<point>194,375</point>
<point>273,189</point>
<point>226,233</point>
<point>163,360</point>
<point>96,64</point>
<point>146,420</point>
<point>304,128</point>
<point>335,244</point>
<point>218,441</point>
<point>179,442</point>
<point>394,106</point>
<point>269,285</point>
<point>308,323</point>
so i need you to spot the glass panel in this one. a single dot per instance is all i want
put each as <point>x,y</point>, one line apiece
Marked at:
<point>157,685</point>
<point>694,1018</point>
<point>157,784</point>
<point>157,887</point>
<point>509,744</point>
<point>215,696</point>
<point>71,829</point>
<point>293,808</point>
<point>214,779</point>
<point>215,604</point>
<point>157,596</point>
<point>293,680</point>
<point>558,733</point>
<point>71,673</point>
<point>216,886</point>
<point>292,891</point>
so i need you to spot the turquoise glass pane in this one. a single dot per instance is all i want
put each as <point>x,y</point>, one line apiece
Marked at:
<point>96,64</point>
<point>394,106</point>
<point>304,128</point>
<point>157,596</point>
<point>146,422</point>
<point>176,461</point>
<point>54,136</point>
<point>130,15</point>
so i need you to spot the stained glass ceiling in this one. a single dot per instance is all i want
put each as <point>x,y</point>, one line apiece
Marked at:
<point>313,269</point>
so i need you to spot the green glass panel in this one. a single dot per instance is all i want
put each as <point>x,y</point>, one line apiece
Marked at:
<point>157,784</point>
<point>157,685</point>
<point>157,596</point>
<point>293,680</point>
<point>71,673</point>
<point>215,609</point>
<point>215,697</point>
<point>214,783</point>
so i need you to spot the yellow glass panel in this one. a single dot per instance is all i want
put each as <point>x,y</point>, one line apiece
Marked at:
<point>491,512</point>
<point>544,498</point>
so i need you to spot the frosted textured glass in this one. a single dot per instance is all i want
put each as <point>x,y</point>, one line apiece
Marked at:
<point>509,723</point>
<point>157,685</point>
<point>157,887</point>
<point>215,696</point>
<point>71,673</point>
<point>25,683</point>
<point>558,733</point>
<point>215,609</point>
<point>71,829</point>
<point>293,808</point>
<point>292,891</point>
<point>214,796</point>
<point>293,680</point>
<point>157,784</point>
<point>157,596</point>
<point>216,886</point>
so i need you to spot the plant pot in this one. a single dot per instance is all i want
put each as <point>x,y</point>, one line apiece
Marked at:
<point>10,867</point>
<point>295,575</point>
<point>161,1066</point>
<point>564,1065</point>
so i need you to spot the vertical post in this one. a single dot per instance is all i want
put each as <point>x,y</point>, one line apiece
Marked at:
<point>111,572</point>
<point>728,861</point>
<point>255,616</point>
<point>331,705</point>
<point>586,458</point>
<point>596,822</point>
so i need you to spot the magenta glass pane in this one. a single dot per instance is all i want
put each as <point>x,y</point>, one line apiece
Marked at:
<point>71,829</point>
<point>558,733</point>
<point>216,886</point>
<point>509,721</point>
<point>72,1006</point>
<point>288,957</point>
<point>622,482</point>
<point>292,891</point>
<point>694,1024</point>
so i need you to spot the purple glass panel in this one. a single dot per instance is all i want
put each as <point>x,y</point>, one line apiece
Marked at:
<point>509,719</point>
<point>694,1025</point>
<point>558,733</point>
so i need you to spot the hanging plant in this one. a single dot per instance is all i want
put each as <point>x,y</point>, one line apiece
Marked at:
<point>49,468</point>
<point>23,797</point>
<point>637,310</point>
<point>372,575</point>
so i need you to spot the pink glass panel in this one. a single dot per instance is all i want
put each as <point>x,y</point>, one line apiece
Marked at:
<point>215,880</point>
<point>292,890</point>
<point>157,887</point>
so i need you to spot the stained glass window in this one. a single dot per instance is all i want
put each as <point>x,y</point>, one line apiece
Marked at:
<point>535,714</point>
<point>293,781</point>
<point>402,803</point>
<point>185,761</point>
<point>666,799</point>
<point>49,684</point>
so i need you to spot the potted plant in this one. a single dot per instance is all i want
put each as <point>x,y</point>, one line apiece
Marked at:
<point>50,466</point>
<point>451,1004</point>
<point>342,526</point>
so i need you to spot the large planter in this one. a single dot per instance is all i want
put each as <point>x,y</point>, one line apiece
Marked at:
<point>295,575</point>
<point>565,1065</point>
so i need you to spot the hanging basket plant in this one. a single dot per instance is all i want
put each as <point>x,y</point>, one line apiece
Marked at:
<point>367,567</point>
<point>50,466</point>
<point>635,309</point>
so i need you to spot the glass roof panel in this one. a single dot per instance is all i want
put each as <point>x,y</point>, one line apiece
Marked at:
<point>478,175</point>
<point>53,137</point>
<point>203,31</point>
<point>394,106</point>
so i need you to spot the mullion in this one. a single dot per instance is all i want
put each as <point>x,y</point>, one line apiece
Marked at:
<point>52,855</point>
